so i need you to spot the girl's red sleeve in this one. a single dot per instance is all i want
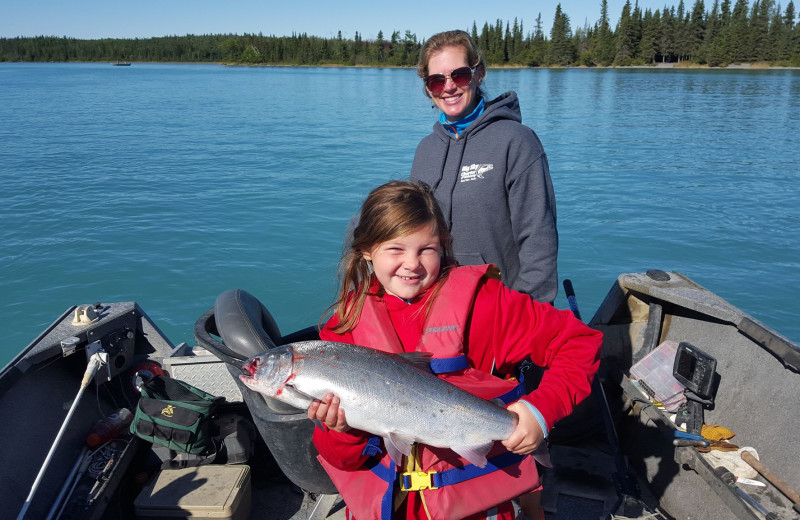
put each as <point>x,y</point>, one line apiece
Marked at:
<point>508,326</point>
<point>344,450</point>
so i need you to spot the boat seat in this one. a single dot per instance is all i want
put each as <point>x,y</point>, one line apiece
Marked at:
<point>247,329</point>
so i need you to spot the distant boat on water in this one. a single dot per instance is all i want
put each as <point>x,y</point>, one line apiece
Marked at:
<point>122,64</point>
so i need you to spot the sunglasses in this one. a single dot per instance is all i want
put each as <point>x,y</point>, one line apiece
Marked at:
<point>461,76</point>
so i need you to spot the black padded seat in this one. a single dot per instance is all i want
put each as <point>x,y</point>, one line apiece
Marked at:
<point>247,329</point>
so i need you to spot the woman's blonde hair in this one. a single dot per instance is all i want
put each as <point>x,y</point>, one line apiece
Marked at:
<point>456,38</point>
<point>395,209</point>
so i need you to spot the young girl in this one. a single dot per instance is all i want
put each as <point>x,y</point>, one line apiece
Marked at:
<point>402,292</point>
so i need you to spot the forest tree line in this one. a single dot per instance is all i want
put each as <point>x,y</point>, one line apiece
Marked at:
<point>724,34</point>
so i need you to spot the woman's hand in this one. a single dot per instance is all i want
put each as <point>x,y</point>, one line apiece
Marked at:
<point>327,411</point>
<point>528,435</point>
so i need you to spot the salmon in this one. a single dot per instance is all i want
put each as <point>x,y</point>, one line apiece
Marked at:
<point>393,396</point>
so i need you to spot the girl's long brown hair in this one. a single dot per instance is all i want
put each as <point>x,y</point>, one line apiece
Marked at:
<point>393,210</point>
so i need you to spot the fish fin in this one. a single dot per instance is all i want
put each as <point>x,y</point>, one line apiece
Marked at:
<point>398,445</point>
<point>421,360</point>
<point>542,455</point>
<point>475,454</point>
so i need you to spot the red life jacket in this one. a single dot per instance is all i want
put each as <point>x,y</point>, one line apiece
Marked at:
<point>450,487</point>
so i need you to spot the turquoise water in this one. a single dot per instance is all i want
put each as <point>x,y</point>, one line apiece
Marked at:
<point>168,184</point>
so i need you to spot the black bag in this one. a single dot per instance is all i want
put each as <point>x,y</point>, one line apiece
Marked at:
<point>177,415</point>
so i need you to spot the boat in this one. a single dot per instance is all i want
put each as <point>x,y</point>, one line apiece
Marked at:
<point>121,63</point>
<point>614,457</point>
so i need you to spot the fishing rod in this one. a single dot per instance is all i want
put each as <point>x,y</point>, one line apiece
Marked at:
<point>95,362</point>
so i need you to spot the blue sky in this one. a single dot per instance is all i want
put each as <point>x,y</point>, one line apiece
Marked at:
<point>147,18</point>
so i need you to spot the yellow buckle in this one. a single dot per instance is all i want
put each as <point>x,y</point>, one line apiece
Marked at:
<point>417,480</point>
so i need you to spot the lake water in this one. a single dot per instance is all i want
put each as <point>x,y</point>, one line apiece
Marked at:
<point>168,184</point>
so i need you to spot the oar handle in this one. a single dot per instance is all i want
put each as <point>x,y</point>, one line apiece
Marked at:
<point>772,477</point>
<point>573,302</point>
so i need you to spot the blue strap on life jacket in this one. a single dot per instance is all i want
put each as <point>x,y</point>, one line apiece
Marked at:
<point>373,446</point>
<point>388,475</point>
<point>454,364</point>
<point>513,395</point>
<point>470,471</point>
<point>450,364</point>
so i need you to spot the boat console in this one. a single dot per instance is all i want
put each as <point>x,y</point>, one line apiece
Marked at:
<point>43,405</point>
<point>122,331</point>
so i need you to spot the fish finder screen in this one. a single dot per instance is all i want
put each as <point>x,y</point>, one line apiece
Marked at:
<point>686,366</point>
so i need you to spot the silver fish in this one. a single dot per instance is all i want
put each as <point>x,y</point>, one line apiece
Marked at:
<point>387,395</point>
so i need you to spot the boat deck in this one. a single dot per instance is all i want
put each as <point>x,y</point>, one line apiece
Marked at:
<point>642,476</point>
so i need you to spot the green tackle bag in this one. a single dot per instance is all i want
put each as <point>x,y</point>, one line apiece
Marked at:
<point>175,414</point>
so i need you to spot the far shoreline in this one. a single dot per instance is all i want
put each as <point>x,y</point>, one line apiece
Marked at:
<point>660,65</point>
<point>681,65</point>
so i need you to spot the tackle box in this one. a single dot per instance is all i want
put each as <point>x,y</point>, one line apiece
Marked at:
<point>209,491</point>
<point>654,373</point>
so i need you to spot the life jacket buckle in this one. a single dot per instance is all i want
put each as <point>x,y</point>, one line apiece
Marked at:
<point>417,480</point>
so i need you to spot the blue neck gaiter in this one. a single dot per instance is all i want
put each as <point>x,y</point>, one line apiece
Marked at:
<point>456,127</point>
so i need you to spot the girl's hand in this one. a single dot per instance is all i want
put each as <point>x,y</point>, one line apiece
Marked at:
<point>527,436</point>
<point>327,411</point>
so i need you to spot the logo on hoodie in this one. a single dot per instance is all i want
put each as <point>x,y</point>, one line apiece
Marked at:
<point>474,172</point>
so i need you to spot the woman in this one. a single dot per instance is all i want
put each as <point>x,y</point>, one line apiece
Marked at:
<point>488,171</point>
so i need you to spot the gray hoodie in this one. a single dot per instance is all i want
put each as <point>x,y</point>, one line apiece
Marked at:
<point>493,184</point>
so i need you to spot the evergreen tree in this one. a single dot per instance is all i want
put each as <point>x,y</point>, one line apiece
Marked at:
<point>507,44</point>
<point>626,37</point>
<point>713,49</point>
<point>584,41</point>
<point>760,30</point>
<point>497,44</point>
<point>779,51</point>
<point>792,33</point>
<point>515,49</point>
<point>739,45</point>
<point>538,48</point>
<point>606,48</point>
<point>562,51</point>
<point>638,22</point>
<point>648,48</point>
<point>666,35</point>
<point>410,49</point>
<point>682,42</point>
<point>378,51</point>
<point>484,40</point>
<point>788,17</point>
<point>697,30</point>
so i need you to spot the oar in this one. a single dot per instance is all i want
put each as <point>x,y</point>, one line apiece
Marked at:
<point>776,481</point>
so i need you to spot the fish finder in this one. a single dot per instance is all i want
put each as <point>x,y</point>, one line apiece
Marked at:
<point>695,370</point>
